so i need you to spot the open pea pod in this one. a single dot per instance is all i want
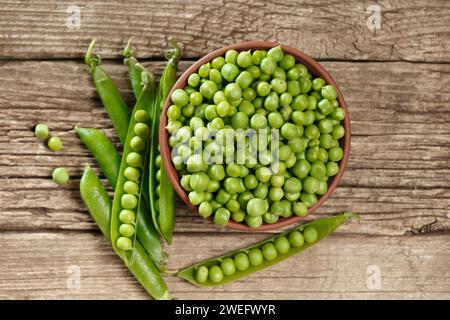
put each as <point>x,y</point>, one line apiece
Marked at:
<point>162,204</point>
<point>201,275</point>
<point>128,193</point>
<point>140,265</point>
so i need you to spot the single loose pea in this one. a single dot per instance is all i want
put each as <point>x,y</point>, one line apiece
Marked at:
<point>131,187</point>
<point>208,89</point>
<point>300,209</point>
<point>222,216</point>
<point>336,153</point>
<point>41,131</point>
<point>293,185</point>
<point>55,144</point>
<point>231,56</point>
<point>287,62</point>
<point>296,239</point>
<point>258,121</point>
<point>127,230</point>
<point>275,120</point>
<point>323,187</point>
<point>310,184</point>
<point>317,84</point>
<point>270,217</point>
<point>217,63</point>
<point>268,65</point>
<point>194,80</point>
<point>238,216</point>
<point>271,101</point>
<point>256,207</point>
<point>131,173</point>
<point>310,234</point>
<point>276,194</point>
<point>128,201</point>
<point>233,91</point>
<point>244,59</point>
<point>338,132</point>
<point>134,159</point>
<point>261,191</point>
<point>229,72</point>
<point>61,176</point>
<point>289,131</point>
<point>199,181</point>
<point>196,197</point>
<point>332,169</point>
<point>282,244</point>
<point>215,274</point>
<point>276,53</point>
<point>269,251</point>
<point>233,205</point>
<point>309,199</point>
<point>244,79</point>
<point>205,209</point>
<point>179,97</point>
<point>228,267</point>
<point>325,106</point>
<point>204,69</point>
<point>253,222</point>
<point>201,274</point>
<point>241,261</point>
<point>329,92</point>
<point>124,243</point>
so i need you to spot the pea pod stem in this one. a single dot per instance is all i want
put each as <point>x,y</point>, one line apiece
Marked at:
<point>109,161</point>
<point>323,227</point>
<point>134,72</point>
<point>140,265</point>
<point>117,109</point>
<point>164,216</point>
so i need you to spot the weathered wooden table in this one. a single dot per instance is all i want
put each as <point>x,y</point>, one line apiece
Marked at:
<point>394,72</point>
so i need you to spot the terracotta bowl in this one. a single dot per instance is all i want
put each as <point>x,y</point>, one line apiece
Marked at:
<point>315,68</point>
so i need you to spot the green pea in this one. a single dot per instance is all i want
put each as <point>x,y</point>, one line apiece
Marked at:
<point>232,185</point>
<point>323,187</point>
<point>196,98</point>
<point>134,159</point>
<point>329,92</point>
<point>229,72</point>
<point>185,182</point>
<point>258,121</point>
<point>282,244</point>
<point>205,209</point>
<point>309,199</point>
<point>55,144</point>
<point>233,205</point>
<point>137,144</point>
<point>217,124</point>
<point>196,197</point>
<point>254,222</point>
<point>276,53</point>
<point>244,59</point>
<point>287,62</point>
<point>289,131</point>
<point>239,120</point>
<point>296,239</point>
<point>127,216</point>
<point>131,187</point>
<point>131,173</point>
<point>325,106</point>
<point>301,169</point>
<point>217,63</point>
<point>213,186</point>
<point>258,102</point>
<point>293,87</point>
<point>276,194</point>
<point>270,217</point>
<point>199,181</point>
<point>208,89</point>
<point>317,84</point>
<point>293,185</point>
<point>305,84</point>
<point>293,74</point>
<point>302,68</point>
<point>248,94</point>
<point>318,169</point>
<point>203,71</point>
<point>312,103</point>
<point>338,132</point>
<point>332,169</point>
<point>41,131</point>
<point>310,117</point>
<point>222,216</point>
<point>268,65</point>
<point>263,88</point>
<point>258,56</point>
<point>231,56</point>
<point>228,267</point>
<point>255,207</point>
<point>172,127</point>
<point>195,163</point>
<point>61,176</point>
<point>310,235</point>
<point>261,191</point>
<point>336,153</point>
<point>238,216</point>
<point>241,261</point>
<point>127,230</point>
<point>312,154</point>
<point>128,201</point>
<point>254,71</point>
<point>300,209</point>
<point>201,274</point>
<point>179,97</point>
<point>141,116</point>
<point>277,180</point>
<point>269,251</point>
<point>300,103</point>
<point>194,80</point>
<point>124,243</point>
<point>310,184</point>
<point>255,257</point>
<point>215,274</point>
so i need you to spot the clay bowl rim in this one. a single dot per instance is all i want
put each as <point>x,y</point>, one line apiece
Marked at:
<point>315,68</point>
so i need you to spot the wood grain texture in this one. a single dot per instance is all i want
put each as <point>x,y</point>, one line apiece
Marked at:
<point>339,268</point>
<point>398,176</point>
<point>410,30</point>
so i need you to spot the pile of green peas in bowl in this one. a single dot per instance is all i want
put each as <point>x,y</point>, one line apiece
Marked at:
<point>284,166</point>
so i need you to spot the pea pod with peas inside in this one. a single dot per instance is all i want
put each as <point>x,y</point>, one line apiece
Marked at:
<point>141,266</point>
<point>161,193</point>
<point>109,161</point>
<point>243,262</point>
<point>127,196</point>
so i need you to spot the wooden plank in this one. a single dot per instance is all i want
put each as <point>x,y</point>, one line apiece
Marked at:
<point>409,30</point>
<point>397,177</point>
<point>43,266</point>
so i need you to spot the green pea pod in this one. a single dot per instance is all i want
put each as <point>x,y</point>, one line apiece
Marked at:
<point>322,227</point>
<point>120,241</point>
<point>163,214</point>
<point>103,151</point>
<point>99,205</point>
<point>117,109</point>
<point>134,72</point>
<point>109,161</point>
